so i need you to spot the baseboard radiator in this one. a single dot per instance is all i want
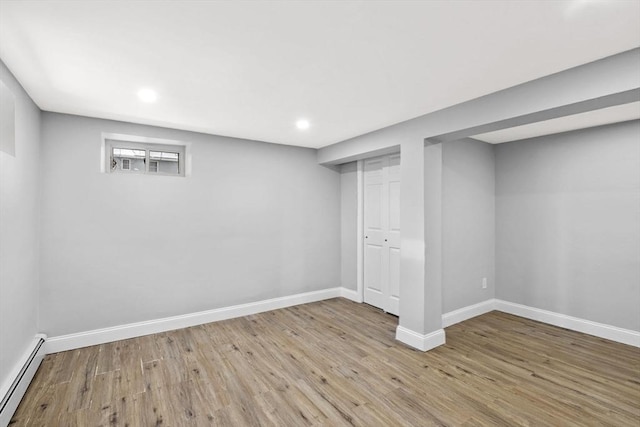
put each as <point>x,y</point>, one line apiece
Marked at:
<point>22,376</point>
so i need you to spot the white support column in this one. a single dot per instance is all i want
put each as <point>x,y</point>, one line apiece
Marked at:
<point>433,237</point>
<point>417,307</point>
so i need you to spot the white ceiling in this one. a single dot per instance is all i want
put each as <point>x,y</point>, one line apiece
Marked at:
<point>604,116</point>
<point>252,69</point>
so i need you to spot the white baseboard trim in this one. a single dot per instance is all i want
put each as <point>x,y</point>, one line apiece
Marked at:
<point>420,341</point>
<point>468,312</point>
<point>350,294</point>
<point>131,330</point>
<point>613,333</point>
<point>23,378</point>
<point>407,336</point>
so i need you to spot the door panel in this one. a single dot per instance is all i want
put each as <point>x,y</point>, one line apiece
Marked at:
<point>373,289</point>
<point>373,232</point>
<point>394,281</point>
<point>373,212</point>
<point>373,267</point>
<point>382,232</point>
<point>394,206</point>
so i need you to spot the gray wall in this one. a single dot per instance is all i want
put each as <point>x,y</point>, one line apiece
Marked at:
<point>468,223</point>
<point>468,236</point>
<point>568,223</point>
<point>253,221</point>
<point>349,225</point>
<point>604,83</point>
<point>19,199</point>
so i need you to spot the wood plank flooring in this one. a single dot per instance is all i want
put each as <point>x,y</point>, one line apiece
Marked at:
<point>335,363</point>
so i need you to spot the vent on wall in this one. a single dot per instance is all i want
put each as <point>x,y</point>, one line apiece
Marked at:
<point>7,121</point>
<point>22,377</point>
<point>126,164</point>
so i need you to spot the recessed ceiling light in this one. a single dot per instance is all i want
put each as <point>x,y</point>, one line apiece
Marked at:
<point>147,95</point>
<point>303,124</point>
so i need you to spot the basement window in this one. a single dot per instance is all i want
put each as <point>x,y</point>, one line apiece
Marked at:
<point>128,159</point>
<point>164,162</point>
<point>143,156</point>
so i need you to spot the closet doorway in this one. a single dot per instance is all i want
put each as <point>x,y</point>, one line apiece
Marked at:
<point>381,243</point>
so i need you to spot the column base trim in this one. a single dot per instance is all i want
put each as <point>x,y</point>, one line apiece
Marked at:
<point>419,341</point>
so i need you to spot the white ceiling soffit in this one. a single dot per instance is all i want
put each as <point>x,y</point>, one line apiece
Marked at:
<point>605,116</point>
<point>253,69</point>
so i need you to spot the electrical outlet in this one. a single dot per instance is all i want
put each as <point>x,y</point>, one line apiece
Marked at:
<point>484,283</point>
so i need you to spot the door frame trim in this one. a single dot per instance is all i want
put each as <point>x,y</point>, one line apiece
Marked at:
<point>360,231</point>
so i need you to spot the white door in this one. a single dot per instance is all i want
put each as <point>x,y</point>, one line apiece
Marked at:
<point>382,232</point>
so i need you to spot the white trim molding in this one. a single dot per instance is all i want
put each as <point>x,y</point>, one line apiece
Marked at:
<point>468,312</point>
<point>407,336</point>
<point>350,294</point>
<point>20,377</point>
<point>132,330</point>
<point>613,333</point>
<point>360,231</point>
<point>420,341</point>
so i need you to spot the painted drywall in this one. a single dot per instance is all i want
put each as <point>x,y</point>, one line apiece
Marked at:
<point>19,213</point>
<point>7,120</point>
<point>568,223</point>
<point>253,221</point>
<point>432,228</point>
<point>349,225</point>
<point>572,91</point>
<point>568,92</point>
<point>468,223</point>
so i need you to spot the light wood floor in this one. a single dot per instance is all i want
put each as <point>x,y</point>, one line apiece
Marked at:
<point>336,363</point>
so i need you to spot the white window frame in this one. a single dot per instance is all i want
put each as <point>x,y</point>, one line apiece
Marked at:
<point>113,140</point>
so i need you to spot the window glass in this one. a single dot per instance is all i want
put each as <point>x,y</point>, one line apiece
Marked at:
<point>143,158</point>
<point>163,155</point>
<point>167,162</point>
<point>127,159</point>
<point>129,153</point>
